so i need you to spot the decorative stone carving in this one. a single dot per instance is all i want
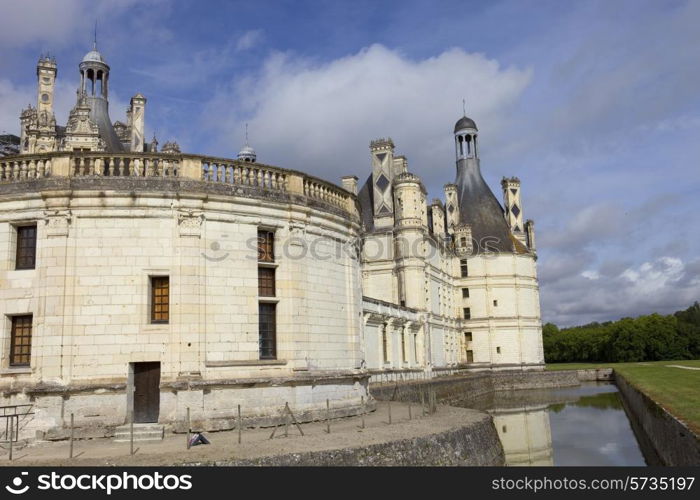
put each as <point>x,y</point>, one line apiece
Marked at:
<point>190,223</point>
<point>57,222</point>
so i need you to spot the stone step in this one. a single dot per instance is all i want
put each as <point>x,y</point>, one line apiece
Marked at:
<point>142,432</point>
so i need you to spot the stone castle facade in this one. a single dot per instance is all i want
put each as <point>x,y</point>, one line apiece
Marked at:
<point>146,285</point>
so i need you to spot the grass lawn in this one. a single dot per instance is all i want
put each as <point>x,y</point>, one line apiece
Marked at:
<point>676,389</point>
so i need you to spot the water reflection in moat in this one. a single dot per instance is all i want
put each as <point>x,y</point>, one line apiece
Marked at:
<point>584,425</point>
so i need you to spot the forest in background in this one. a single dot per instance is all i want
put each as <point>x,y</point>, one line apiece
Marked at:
<point>647,338</point>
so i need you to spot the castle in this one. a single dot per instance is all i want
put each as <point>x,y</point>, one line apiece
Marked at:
<point>147,285</point>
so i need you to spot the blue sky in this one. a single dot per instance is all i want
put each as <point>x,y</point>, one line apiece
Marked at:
<point>593,104</point>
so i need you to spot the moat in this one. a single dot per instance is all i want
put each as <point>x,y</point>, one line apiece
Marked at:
<point>583,425</point>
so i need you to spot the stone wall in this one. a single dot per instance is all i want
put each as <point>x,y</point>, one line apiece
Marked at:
<point>473,444</point>
<point>672,440</point>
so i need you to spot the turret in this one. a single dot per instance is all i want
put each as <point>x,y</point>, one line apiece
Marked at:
<point>451,207</point>
<point>438,214</point>
<point>463,239</point>
<point>137,120</point>
<point>46,72</point>
<point>513,206</point>
<point>382,152</point>
<point>530,234</point>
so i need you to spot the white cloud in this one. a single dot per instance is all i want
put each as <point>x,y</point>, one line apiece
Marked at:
<point>591,275</point>
<point>320,117</point>
<point>249,39</point>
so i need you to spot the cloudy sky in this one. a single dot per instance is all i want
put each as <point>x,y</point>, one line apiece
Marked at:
<point>593,104</point>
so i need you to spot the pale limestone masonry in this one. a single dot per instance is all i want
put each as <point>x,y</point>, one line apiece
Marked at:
<point>101,236</point>
<point>369,285</point>
<point>459,274</point>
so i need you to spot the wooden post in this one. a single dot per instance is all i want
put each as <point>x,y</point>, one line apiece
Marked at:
<point>328,416</point>
<point>389,406</point>
<point>410,417</point>
<point>189,427</point>
<point>70,453</point>
<point>422,402</point>
<point>12,430</point>
<point>362,399</point>
<point>286,419</point>
<point>240,424</point>
<point>131,435</point>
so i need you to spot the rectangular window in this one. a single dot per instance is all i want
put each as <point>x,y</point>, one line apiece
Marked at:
<point>468,336</point>
<point>266,246</point>
<point>160,299</point>
<point>467,313</point>
<point>26,247</point>
<point>495,303</point>
<point>266,282</point>
<point>21,340</point>
<point>464,268</point>
<point>465,293</point>
<point>498,350</point>
<point>267,331</point>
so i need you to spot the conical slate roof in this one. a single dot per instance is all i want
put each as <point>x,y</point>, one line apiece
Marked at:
<point>479,208</point>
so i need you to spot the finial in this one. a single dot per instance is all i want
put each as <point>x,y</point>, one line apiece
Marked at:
<point>94,43</point>
<point>464,107</point>
<point>246,134</point>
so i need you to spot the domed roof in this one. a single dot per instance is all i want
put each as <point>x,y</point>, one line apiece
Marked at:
<point>465,122</point>
<point>93,56</point>
<point>246,150</point>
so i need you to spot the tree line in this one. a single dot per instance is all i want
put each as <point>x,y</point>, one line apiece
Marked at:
<point>647,338</point>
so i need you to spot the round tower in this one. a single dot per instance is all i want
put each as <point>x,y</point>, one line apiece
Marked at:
<point>410,227</point>
<point>94,86</point>
<point>466,135</point>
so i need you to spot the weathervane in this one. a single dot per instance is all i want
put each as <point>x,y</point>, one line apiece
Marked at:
<point>94,42</point>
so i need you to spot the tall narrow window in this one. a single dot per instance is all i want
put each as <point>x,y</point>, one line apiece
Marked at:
<point>385,350</point>
<point>266,281</point>
<point>267,310</point>
<point>465,293</point>
<point>403,346</point>
<point>464,268</point>
<point>415,347</point>
<point>160,299</point>
<point>26,247</point>
<point>467,313</point>
<point>467,336</point>
<point>266,246</point>
<point>268,330</point>
<point>21,340</point>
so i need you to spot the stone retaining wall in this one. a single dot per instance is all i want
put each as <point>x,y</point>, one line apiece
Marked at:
<point>672,440</point>
<point>474,444</point>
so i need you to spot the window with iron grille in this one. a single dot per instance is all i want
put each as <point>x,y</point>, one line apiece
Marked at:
<point>21,340</point>
<point>464,268</point>
<point>266,282</point>
<point>160,299</point>
<point>266,246</point>
<point>26,247</point>
<point>267,331</point>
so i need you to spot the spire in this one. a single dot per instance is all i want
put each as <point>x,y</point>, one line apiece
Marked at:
<point>464,107</point>
<point>94,42</point>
